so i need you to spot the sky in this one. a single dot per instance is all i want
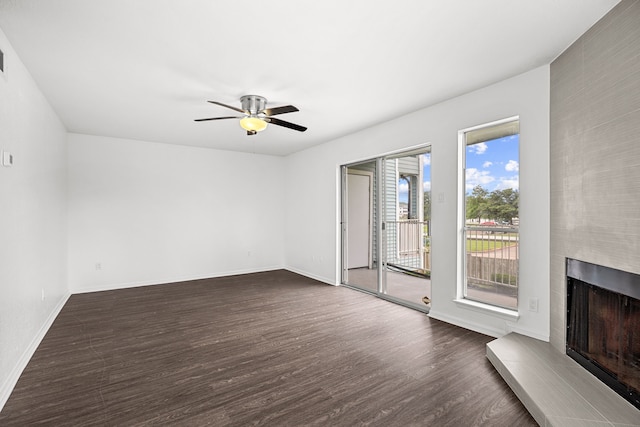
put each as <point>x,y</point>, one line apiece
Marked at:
<point>492,164</point>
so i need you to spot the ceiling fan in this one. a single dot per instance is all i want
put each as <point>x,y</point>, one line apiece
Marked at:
<point>255,116</point>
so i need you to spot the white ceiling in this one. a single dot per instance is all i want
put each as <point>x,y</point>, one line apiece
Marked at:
<point>144,69</point>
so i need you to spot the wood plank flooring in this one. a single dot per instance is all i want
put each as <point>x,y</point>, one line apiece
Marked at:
<point>271,348</point>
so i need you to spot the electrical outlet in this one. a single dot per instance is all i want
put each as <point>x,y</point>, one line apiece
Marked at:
<point>533,304</point>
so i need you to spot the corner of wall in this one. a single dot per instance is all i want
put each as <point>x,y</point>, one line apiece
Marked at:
<point>12,379</point>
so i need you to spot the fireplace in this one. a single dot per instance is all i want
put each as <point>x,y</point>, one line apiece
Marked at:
<point>603,325</point>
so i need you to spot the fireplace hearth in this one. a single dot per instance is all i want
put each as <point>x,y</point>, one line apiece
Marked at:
<point>603,325</point>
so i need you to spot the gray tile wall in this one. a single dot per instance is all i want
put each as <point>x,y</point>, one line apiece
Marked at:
<point>595,153</point>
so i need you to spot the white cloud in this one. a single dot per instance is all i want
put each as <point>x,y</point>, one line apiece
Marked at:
<point>426,159</point>
<point>508,182</point>
<point>474,177</point>
<point>512,166</point>
<point>403,187</point>
<point>487,164</point>
<point>479,148</point>
<point>426,186</point>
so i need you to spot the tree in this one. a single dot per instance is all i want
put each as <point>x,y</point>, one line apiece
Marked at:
<point>477,203</point>
<point>427,206</point>
<point>498,205</point>
<point>506,204</point>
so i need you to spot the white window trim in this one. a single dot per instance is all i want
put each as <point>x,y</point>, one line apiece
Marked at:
<point>460,299</point>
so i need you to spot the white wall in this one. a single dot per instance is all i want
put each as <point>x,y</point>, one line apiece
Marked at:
<point>154,213</point>
<point>312,238</point>
<point>32,218</point>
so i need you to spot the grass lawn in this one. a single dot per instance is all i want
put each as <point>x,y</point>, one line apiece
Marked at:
<point>474,245</point>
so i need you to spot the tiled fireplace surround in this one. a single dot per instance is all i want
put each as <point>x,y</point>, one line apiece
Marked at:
<point>595,213</point>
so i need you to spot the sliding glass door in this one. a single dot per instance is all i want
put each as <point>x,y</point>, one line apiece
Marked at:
<point>407,214</point>
<point>386,227</point>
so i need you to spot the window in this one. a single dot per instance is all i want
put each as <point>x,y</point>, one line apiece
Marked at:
<point>490,221</point>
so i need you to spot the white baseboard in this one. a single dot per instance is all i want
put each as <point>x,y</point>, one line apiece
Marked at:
<point>492,332</point>
<point>114,286</point>
<point>463,323</point>
<point>331,282</point>
<point>12,380</point>
<point>526,332</point>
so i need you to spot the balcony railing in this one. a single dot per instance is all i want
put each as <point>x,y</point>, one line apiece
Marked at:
<point>408,245</point>
<point>410,234</point>
<point>492,255</point>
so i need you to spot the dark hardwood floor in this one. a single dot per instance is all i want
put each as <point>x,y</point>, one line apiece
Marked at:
<point>271,348</point>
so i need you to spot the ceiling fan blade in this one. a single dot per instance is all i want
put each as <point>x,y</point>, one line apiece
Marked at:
<point>239,110</point>
<point>285,124</point>
<point>280,110</point>
<point>218,118</point>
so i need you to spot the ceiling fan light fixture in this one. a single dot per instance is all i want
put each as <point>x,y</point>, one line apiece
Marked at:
<point>255,116</point>
<point>252,123</point>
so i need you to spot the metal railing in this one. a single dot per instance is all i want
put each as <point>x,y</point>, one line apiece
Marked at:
<point>492,258</point>
<point>408,244</point>
<point>410,232</point>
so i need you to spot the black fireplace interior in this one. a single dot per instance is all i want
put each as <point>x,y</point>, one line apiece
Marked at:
<point>603,325</point>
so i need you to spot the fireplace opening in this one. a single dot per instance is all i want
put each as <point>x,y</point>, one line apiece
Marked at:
<point>603,325</point>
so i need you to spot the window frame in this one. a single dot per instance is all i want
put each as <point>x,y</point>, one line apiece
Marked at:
<point>461,299</point>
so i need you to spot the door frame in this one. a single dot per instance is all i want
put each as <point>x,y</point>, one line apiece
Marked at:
<point>369,175</point>
<point>380,225</point>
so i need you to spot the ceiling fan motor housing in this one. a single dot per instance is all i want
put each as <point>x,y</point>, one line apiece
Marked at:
<point>254,104</point>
